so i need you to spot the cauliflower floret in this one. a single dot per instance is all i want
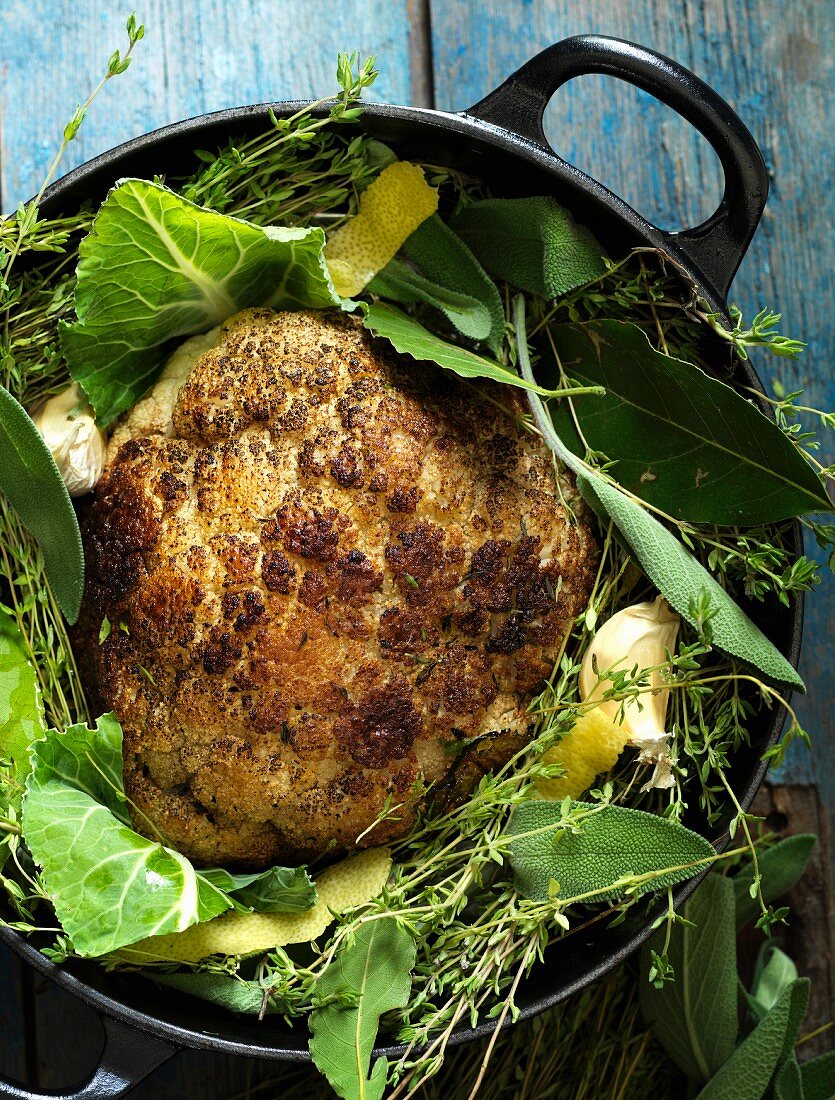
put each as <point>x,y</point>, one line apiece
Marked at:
<point>342,574</point>
<point>153,414</point>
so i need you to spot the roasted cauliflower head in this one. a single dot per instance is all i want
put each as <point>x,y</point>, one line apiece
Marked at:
<point>335,577</point>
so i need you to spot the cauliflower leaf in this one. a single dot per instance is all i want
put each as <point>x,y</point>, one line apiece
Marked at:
<point>155,267</point>
<point>111,886</point>
<point>351,882</point>
<point>21,719</point>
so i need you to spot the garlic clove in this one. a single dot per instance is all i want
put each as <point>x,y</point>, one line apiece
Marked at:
<point>69,430</point>
<point>640,636</point>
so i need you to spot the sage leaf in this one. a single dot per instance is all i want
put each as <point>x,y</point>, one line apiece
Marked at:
<point>748,1072</point>
<point>781,866</point>
<point>30,480</point>
<point>398,282</point>
<point>369,975</point>
<point>672,568</point>
<point>234,994</point>
<point>441,256</point>
<point>155,267</point>
<point>694,1017</point>
<point>277,890</point>
<point>678,576</point>
<point>774,971</point>
<point>409,337</point>
<point>21,707</point>
<point>788,1084</point>
<point>680,440</point>
<point>818,1077</point>
<point>533,243</point>
<point>613,849</point>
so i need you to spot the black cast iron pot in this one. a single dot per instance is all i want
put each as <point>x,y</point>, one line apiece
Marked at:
<point>501,140</point>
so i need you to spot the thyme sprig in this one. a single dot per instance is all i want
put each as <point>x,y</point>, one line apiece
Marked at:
<point>301,168</point>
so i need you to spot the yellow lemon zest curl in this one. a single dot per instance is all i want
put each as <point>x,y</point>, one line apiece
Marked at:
<point>351,882</point>
<point>390,210</point>
<point>593,746</point>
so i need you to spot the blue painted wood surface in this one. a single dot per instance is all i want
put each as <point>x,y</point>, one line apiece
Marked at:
<point>770,60</point>
<point>194,58</point>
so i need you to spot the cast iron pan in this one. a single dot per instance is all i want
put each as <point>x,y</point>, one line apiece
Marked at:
<point>501,140</point>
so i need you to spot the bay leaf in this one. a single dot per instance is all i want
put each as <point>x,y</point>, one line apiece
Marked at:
<point>664,559</point>
<point>30,480</point>
<point>409,337</point>
<point>684,442</point>
<point>369,975</point>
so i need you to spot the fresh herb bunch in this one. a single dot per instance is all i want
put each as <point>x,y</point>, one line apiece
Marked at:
<point>600,1043</point>
<point>449,894</point>
<point>300,169</point>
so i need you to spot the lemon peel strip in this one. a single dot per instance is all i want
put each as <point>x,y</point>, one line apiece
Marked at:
<point>390,210</point>
<point>593,746</point>
<point>351,882</point>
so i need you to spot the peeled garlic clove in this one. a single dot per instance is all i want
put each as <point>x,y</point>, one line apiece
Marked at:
<point>69,430</point>
<point>640,636</point>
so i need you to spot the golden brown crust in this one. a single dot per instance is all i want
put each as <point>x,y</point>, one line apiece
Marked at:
<point>340,566</point>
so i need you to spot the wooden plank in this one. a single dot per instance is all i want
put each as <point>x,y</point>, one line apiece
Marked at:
<point>769,62</point>
<point>809,937</point>
<point>194,58</point>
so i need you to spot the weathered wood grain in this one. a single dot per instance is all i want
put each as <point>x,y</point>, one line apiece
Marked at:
<point>809,937</point>
<point>194,58</point>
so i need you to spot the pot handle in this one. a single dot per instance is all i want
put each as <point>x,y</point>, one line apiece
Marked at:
<point>127,1058</point>
<point>715,247</point>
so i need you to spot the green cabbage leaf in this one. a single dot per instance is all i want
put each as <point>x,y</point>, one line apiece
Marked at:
<point>111,886</point>
<point>156,267</point>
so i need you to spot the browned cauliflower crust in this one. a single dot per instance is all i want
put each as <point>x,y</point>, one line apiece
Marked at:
<point>335,569</point>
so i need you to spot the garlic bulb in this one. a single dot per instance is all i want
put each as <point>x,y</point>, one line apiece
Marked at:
<point>640,636</point>
<point>69,430</point>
